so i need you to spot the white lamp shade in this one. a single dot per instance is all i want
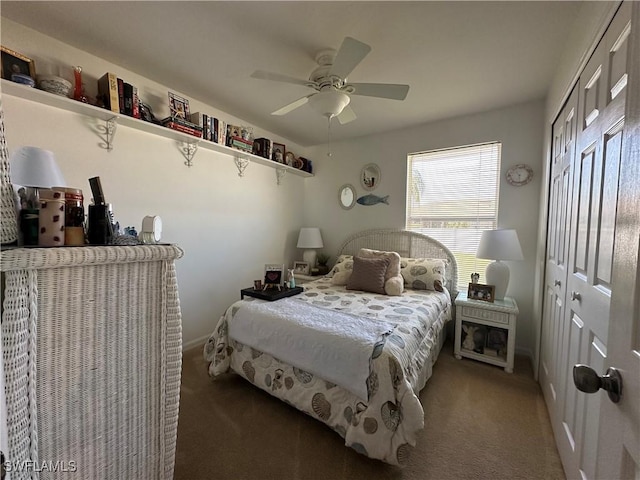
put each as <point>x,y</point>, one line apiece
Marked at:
<point>35,167</point>
<point>310,238</point>
<point>499,245</point>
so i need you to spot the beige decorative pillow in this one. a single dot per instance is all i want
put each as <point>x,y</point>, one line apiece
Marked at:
<point>423,273</point>
<point>392,287</point>
<point>344,262</point>
<point>368,274</point>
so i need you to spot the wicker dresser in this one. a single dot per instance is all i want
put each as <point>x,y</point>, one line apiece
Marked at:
<point>92,349</point>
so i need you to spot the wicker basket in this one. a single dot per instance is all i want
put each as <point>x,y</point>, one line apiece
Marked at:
<point>8,222</point>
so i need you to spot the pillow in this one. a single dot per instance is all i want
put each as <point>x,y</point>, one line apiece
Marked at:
<point>423,273</point>
<point>344,262</point>
<point>368,274</point>
<point>394,283</point>
<point>341,278</point>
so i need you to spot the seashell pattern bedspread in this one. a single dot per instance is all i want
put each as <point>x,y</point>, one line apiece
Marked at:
<point>385,426</point>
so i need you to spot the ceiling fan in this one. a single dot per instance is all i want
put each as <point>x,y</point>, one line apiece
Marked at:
<point>329,80</point>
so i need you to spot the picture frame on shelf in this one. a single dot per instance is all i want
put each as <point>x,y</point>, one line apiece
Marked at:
<point>479,291</point>
<point>278,152</point>
<point>273,275</point>
<point>16,63</point>
<point>303,268</point>
<point>179,107</point>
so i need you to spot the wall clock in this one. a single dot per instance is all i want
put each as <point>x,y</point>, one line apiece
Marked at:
<point>519,175</point>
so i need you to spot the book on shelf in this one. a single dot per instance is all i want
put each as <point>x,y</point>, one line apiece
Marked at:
<point>121,95</point>
<point>136,103</point>
<point>262,147</point>
<point>181,125</point>
<point>214,129</point>
<point>181,128</point>
<point>127,89</point>
<point>181,121</point>
<point>108,91</point>
<point>222,132</point>
<point>240,143</point>
<point>202,120</point>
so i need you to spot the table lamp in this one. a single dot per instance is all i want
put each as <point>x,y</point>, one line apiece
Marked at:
<point>33,168</point>
<point>499,245</point>
<point>310,239</point>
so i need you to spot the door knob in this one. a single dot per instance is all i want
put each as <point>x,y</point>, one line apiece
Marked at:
<point>557,283</point>
<point>587,380</point>
<point>576,296</point>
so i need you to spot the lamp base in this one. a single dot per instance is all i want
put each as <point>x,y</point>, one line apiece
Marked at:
<point>497,274</point>
<point>310,256</point>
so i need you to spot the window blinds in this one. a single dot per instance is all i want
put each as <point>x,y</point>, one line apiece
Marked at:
<point>452,196</point>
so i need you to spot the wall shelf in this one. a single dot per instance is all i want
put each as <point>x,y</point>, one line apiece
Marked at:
<point>111,119</point>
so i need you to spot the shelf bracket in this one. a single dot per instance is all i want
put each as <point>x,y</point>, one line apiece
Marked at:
<point>280,172</point>
<point>241,164</point>
<point>189,151</point>
<point>109,131</point>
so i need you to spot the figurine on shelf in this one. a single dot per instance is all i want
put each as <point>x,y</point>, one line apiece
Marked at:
<point>78,89</point>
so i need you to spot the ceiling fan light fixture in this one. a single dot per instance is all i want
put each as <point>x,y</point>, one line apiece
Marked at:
<point>329,103</point>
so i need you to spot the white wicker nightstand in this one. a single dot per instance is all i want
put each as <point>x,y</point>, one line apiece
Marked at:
<point>494,325</point>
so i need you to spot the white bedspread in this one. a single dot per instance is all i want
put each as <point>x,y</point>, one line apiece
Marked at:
<point>334,345</point>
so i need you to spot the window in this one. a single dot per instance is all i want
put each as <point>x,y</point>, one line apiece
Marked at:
<point>452,196</point>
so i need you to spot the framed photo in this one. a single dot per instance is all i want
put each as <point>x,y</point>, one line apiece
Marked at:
<point>478,291</point>
<point>179,106</point>
<point>302,268</point>
<point>273,275</point>
<point>14,62</point>
<point>278,152</point>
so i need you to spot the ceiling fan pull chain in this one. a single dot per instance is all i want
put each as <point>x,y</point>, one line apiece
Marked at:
<point>329,136</point>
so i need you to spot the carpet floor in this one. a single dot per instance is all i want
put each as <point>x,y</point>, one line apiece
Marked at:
<point>480,422</point>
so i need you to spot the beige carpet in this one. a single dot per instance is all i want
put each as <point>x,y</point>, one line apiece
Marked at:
<point>480,422</point>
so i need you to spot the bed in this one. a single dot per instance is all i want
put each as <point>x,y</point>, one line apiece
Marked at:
<point>365,388</point>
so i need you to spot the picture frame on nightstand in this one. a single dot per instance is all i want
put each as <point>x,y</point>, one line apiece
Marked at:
<point>301,268</point>
<point>479,291</point>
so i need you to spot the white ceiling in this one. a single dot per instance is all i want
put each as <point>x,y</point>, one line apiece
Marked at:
<point>458,57</point>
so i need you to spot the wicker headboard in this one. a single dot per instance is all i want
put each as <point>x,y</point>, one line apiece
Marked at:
<point>407,244</point>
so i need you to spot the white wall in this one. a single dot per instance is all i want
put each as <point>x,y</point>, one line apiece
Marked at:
<point>519,128</point>
<point>228,226</point>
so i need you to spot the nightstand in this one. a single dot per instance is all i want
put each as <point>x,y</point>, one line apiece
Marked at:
<point>486,331</point>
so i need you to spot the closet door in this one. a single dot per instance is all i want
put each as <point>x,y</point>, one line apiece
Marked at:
<point>563,150</point>
<point>596,169</point>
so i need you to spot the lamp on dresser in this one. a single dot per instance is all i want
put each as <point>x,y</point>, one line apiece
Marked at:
<point>310,239</point>
<point>33,169</point>
<point>499,245</point>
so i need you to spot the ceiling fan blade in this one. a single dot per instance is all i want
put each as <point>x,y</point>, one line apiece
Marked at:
<point>350,54</point>
<point>292,106</point>
<point>347,115</point>
<point>278,77</point>
<point>392,91</point>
